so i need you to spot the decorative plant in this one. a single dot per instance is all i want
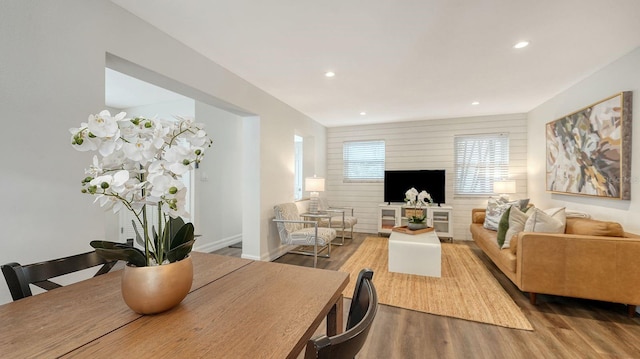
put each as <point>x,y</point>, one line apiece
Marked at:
<point>417,200</point>
<point>140,165</point>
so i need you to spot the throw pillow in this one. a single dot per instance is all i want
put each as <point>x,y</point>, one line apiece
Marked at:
<point>503,226</point>
<point>494,212</point>
<point>517,220</point>
<point>523,203</point>
<point>550,221</point>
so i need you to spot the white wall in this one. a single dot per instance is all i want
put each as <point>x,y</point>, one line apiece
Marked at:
<point>217,186</point>
<point>621,75</point>
<point>52,78</point>
<point>421,145</point>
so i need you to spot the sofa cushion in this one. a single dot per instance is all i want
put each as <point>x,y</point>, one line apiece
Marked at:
<point>549,221</point>
<point>517,220</point>
<point>513,245</point>
<point>592,227</point>
<point>503,227</point>
<point>496,208</point>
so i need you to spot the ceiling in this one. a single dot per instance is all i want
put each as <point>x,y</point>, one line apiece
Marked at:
<point>403,60</point>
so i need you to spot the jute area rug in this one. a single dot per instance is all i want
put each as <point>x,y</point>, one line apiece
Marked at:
<point>466,289</point>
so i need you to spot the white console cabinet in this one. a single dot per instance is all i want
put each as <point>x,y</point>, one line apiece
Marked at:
<point>394,215</point>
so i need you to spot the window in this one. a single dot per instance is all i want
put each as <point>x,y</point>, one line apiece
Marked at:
<point>363,161</point>
<point>297,168</point>
<point>480,160</point>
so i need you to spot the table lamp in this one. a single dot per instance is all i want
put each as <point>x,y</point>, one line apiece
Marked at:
<point>314,185</point>
<point>504,188</point>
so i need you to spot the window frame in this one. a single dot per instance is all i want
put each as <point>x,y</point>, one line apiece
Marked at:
<point>496,169</point>
<point>378,161</point>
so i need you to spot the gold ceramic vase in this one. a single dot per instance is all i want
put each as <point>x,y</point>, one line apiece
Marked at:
<point>154,289</point>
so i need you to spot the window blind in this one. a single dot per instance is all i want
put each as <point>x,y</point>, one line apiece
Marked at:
<point>363,161</point>
<point>480,160</point>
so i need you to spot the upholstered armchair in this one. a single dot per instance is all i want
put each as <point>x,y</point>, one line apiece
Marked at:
<point>293,230</point>
<point>341,218</point>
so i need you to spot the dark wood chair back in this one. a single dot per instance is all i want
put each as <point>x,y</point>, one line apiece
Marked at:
<point>19,277</point>
<point>362,312</point>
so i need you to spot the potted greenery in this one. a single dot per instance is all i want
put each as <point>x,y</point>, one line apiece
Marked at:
<point>138,167</point>
<point>415,200</point>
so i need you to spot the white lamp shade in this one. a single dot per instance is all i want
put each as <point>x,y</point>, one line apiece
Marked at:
<point>314,184</point>
<point>504,187</point>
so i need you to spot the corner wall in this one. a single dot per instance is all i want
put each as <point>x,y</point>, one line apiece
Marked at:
<point>621,75</point>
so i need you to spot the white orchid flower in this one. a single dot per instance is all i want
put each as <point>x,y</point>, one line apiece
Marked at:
<point>424,198</point>
<point>140,161</point>
<point>179,159</point>
<point>80,139</point>
<point>139,151</point>
<point>103,125</point>
<point>114,184</point>
<point>411,195</point>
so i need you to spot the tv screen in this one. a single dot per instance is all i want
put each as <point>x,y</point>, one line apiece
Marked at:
<point>396,183</point>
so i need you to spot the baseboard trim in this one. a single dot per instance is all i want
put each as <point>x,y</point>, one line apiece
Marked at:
<point>218,244</point>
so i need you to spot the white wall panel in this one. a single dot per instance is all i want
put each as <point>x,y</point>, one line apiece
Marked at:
<point>421,145</point>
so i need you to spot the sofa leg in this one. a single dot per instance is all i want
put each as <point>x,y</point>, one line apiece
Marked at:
<point>631,310</point>
<point>532,298</point>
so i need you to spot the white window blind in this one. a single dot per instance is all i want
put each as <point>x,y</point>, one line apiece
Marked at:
<point>363,161</point>
<point>480,160</point>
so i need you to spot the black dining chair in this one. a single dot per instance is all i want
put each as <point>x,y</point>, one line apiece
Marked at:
<point>19,276</point>
<point>362,312</point>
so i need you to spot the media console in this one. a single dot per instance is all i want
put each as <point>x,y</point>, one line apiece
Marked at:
<point>394,215</point>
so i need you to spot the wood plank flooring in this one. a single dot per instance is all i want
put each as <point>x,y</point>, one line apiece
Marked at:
<point>563,327</point>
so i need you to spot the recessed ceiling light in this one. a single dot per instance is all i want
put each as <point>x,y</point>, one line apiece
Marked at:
<point>475,103</point>
<point>329,74</point>
<point>521,44</point>
<point>362,113</point>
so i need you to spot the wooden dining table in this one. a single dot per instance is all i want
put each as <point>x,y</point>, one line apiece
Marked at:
<point>237,308</point>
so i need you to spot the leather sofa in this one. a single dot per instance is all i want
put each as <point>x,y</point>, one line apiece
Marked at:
<point>592,260</point>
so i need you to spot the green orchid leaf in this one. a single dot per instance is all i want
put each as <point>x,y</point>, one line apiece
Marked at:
<point>174,225</point>
<point>119,251</point>
<point>139,239</point>
<point>181,251</point>
<point>183,235</point>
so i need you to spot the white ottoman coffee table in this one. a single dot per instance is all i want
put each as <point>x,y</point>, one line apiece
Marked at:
<point>415,253</point>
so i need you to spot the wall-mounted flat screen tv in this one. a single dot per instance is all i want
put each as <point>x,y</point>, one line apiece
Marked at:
<point>397,182</point>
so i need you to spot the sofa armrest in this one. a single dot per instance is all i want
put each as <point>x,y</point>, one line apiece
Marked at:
<point>477,215</point>
<point>593,267</point>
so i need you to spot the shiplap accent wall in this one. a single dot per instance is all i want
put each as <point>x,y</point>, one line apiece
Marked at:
<point>415,145</point>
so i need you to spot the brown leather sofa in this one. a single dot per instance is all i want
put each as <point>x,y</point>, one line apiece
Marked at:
<point>592,260</point>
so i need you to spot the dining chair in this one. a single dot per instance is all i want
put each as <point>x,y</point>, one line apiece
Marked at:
<point>19,276</point>
<point>295,231</point>
<point>341,217</point>
<point>362,312</point>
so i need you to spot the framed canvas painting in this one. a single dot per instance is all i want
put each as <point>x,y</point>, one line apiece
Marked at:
<point>589,151</point>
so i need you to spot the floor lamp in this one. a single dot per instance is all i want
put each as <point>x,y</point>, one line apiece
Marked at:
<point>314,185</point>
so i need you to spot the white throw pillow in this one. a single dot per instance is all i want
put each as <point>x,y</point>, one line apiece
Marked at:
<point>540,221</point>
<point>495,209</point>
<point>517,220</point>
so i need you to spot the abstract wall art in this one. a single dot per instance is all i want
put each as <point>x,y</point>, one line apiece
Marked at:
<point>589,151</point>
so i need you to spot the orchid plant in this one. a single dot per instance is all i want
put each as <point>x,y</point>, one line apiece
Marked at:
<point>139,164</point>
<point>415,199</point>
